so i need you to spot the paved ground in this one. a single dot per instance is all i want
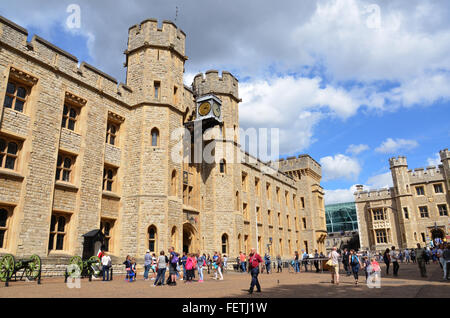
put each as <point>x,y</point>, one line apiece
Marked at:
<point>408,284</point>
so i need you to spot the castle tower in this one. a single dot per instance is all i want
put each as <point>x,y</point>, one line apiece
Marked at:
<point>155,65</point>
<point>445,160</point>
<point>399,171</point>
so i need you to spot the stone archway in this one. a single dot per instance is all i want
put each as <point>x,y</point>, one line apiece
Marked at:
<point>190,238</point>
<point>437,233</point>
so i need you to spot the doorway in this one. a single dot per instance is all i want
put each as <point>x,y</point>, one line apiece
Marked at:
<point>189,238</point>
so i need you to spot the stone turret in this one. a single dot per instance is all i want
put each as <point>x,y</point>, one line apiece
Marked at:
<point>400,176</point>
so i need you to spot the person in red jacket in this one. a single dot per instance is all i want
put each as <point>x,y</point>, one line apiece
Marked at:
<point>254,259</point>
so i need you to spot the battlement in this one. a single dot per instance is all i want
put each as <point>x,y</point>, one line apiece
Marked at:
<point>300,162</point>
<point>398,162</point>
<point>50,56</point>
<point>381,194</point>
<point>211,82</point>
<point>444,154</point>
<point>147,34</point>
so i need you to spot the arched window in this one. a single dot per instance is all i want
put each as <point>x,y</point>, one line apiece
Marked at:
<point>173,183</point>
<point>155,137</point>
<point>224,244</point>
<point>3,226</point>
<point>152,233</point>
<point>222,166</point>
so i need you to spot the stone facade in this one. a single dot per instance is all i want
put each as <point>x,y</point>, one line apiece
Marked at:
<point>150,200</point>
<point>415,210</point>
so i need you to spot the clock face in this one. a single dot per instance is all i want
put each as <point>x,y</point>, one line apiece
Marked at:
<point>216,110</point>
<point>204,108</point>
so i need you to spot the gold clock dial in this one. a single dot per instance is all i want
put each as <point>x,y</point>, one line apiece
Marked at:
<point>204,108</point>
<point>216,110</point>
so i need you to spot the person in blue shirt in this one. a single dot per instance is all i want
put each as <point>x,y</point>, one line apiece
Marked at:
<point>183,263</point>
<point>267,262</point>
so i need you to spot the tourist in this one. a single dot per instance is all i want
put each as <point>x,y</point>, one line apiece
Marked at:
<point>387,260</point>
<point>183,263</point>
<point>413,256</point>
<point>208,263</point>
<point>201,261</point>
<point>127,264</point>
<point>279,264</point>
<point>225,262</point>
<point>355,263</point>
<point>161,269</point>
<point>106,265</point>
<point>374,271</point>
<point>305,257</point>
<point>345,261</point>
<point>173,262</point>
<point>440,255</point>
<point>254,259</point>
<point>427,255</point>
<point>267,262</point>
<point>296,262</point>
<point>333,263</point>
<point>394,259</point>
<point>147,264</point>
<point>218,264</point>
<point>316,261</point>
<point>242,262</point>
<point>446,264</point>
<point>367,266</point>
<point>420,256</point>
<point>153,266</point>
<point>132,270</point>
<point>407,256</point>
<point>189,267</point>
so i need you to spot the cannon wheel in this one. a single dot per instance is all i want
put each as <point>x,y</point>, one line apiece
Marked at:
<point>77,261</point>
<point>95,265</point>
<point>34,267</point>
<point>7,267</point>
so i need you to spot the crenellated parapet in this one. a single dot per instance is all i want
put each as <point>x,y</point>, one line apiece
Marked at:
<point>381,194</point>
<point>444,154</point>
<point>48,55</point>
<point>422,175</point>
<point>398,162</point>
<point>211,82</point>
<point>302,162</point>
<point>147,34</point>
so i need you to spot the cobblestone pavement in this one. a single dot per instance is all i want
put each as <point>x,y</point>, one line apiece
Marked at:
<point>277,285</point>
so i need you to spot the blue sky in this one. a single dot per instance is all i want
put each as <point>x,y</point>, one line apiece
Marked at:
<point>349,82</point>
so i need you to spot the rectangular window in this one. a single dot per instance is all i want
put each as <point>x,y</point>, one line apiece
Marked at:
<point>381,236</point>
<point>70,116</point>
<point>278,194</point>
<point>112,130</point>
<point>106,226</point>
<point>304,223</point>
<point>5,216</point>
<point>244,181</point>
<point>423,237</point>
<point>303,202</point>
<point>438,188</point>
<point>258,214</point>
<point>9,152</point>
<point>378,214</point>
<point>58,232</point>
<point>423,211</point>
<point>294,199</point>
<point>268,192</point>
<point>157,86</point>
<point>405,211</point>
<point>269,217</point>
<point>245,211</point>
<point>64,167</point>
<point>443,210</point>
<point>109,178</point>
<point>279,219</point>
<point>257,187</point>
<point>420,190</point>
<point>286,195</point>
<point>16,96</point>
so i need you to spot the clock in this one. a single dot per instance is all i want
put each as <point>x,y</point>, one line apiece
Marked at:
<point>204,109</point>
<point>216,110</point>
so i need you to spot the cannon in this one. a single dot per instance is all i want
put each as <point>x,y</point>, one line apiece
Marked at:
<point>78,268</point>
<point>30,267</point>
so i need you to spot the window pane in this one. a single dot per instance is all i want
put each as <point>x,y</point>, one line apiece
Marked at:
<point>58,174</point>
<point>151,246</point>
<point>73,113</point>
<point>66,110</point>
<point>50,241</point>
<point>109,186</point>
<point>61,223</point>
<point>110,174</point>
<point>8,102</point>
<point>12,148</point>
<point>53,224</point>
<point>106,244</point>
<point>154,139</point>
<point>113,129</point>
<point>60,242</point>
<point>67,163</point>
<point>71,125</point>
<point>112,140</point>
<point>59,161</point>
<point>19,105</point>
<point>107,228</point>
<point>63,123</point>
<point>66,175</point>
<point>2,145</point>
<point>11,88</point>
<point>21,92</point>
<point>3,217</point>
<point>151,233</point>
<point>10,163</point>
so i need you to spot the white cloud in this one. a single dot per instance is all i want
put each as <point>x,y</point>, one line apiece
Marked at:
<point>435,161</point>
<point>379,181</point>
<point>339,167</point>
<point>393,146</point>
<point>357,149</point>
<point>294,105</point>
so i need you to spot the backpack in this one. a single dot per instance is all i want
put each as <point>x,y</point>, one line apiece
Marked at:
<point>174,259</point>
<point>355,260</point>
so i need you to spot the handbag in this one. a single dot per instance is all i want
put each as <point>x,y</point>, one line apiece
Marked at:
<point>330,263</point>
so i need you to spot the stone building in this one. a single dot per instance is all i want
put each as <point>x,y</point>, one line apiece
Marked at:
<point>415,210</point>
<point>80,152</point>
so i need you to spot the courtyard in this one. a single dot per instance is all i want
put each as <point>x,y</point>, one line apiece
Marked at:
<point>408,284</point>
